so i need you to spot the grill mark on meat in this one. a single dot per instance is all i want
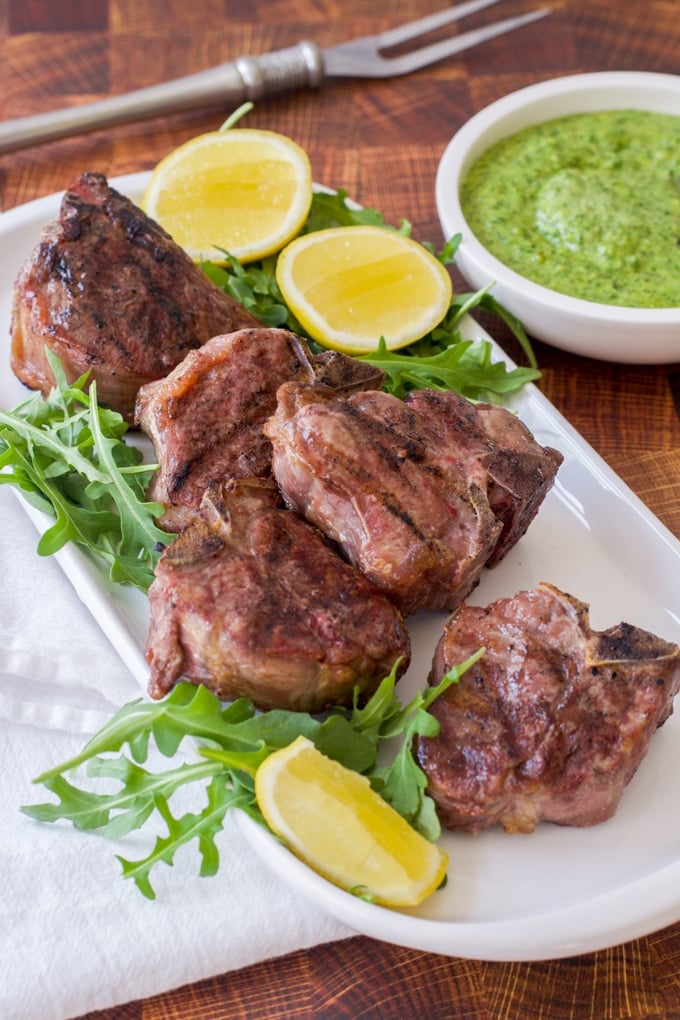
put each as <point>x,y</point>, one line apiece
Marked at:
<point>107,289</point>
<point>389,443</point>
<point>136,227</point>
<point>552,723</point>
<point>411,450</point>
<point>624,643</point>
<point>206,418</point>
<point>342,373</point>
<point>180,479</point>
<point>361,469</point>
<point>384,441</point>
<point>405,518</point>
<point>252,601</point>
<point>246,464</point>
<point>497,449</point>
<point>362,474</point>
<point>60,267</point>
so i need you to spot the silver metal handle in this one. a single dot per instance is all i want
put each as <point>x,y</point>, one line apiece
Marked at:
<point>296,67</point>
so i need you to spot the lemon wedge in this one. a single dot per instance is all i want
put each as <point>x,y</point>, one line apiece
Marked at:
<point>243,190</point>
<point>332,819</point>
<point>349,286</point>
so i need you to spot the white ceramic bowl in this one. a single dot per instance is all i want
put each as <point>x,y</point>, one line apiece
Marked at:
<point>607,332</point>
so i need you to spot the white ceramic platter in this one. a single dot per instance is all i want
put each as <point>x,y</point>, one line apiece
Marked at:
<point>559,891</point>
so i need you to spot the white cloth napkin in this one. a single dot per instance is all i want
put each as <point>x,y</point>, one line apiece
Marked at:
<point>74,935</point>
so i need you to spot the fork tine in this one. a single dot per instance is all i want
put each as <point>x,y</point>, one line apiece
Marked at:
<point>447,47</point>
<point>414,29</point>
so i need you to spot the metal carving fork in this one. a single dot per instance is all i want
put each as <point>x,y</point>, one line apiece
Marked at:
<point>305,65</point>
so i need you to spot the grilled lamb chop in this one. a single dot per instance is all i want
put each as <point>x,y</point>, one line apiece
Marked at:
<point>205,418</point>
<point>366,471</point>
<point>552,722</point>
<point>251,601</point>
<point>107,289</point>
<point>499,451</point>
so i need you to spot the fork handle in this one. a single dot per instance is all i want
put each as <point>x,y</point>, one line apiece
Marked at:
<point>295,67</point>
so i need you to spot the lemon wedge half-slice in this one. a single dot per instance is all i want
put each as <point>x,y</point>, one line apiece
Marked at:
<point>243,190</point>
<point>332,819</point>
<point>350,286</point>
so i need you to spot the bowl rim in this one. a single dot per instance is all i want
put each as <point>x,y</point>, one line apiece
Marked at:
<point>457,155</point>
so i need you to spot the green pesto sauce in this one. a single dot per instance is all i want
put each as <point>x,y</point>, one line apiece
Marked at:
<point>588,205</point>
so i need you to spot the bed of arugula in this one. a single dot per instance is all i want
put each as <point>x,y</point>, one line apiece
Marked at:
<point>69,457</point>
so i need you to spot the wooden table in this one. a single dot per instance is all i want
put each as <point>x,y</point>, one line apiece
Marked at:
<point>381,140</point>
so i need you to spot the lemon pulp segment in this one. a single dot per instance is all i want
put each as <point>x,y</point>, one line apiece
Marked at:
<point>332,819</point>
<point>349,286</point>
<point>247,192</point>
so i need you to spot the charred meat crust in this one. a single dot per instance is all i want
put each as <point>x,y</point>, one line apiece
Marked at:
<point>552,722</point>
<point>514,470</point>
<point>251,601</point>
<point>418,494</point>
<point>206,417</point>
<point>109,291</point>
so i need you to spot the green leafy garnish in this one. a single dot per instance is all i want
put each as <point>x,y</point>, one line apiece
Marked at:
<point>254,286</point>
<point>463,366</point>
<point>334,209</point>
<point>68,457</point>
<point>228,743</point>
<point>403,782</point>
<point>443,359</point>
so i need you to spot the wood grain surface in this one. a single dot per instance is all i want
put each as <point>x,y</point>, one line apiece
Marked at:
<point>381,140</point>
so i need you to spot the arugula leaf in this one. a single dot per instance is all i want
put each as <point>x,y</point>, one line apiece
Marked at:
<point>136,800</point>
<point>230,742</point>
<point>202,826</point>
<point>334,209</point>
<point>463,366</point>
<point>235,728</point>
<point>69,458</point>
<point>403,783</point>
<point>254,286</point>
